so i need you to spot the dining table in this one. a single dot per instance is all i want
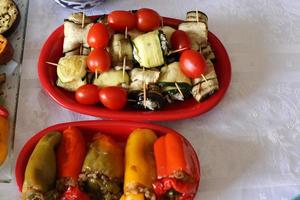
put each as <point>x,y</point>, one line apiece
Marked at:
<point>249,144</point>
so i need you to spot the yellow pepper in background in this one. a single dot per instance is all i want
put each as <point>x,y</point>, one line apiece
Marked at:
<point>4,134</point>
<point>140,170</point>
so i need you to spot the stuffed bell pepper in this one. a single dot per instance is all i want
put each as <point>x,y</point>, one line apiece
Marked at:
<point>177,172</point>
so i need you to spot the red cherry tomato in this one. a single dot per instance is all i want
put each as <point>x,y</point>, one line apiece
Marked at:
<point>148,19</point>
<point>3,112</point>
<point>73,193</point>
<point>113,97</point>
<point>192,63</point>
<point>98,36</point>
<point>87,94</point>
<point>180,40</point>
<point>99,60</point>
<point>120,19</point>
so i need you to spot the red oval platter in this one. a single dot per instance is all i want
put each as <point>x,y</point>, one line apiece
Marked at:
<point>119,130</point>
<point>52,51</point>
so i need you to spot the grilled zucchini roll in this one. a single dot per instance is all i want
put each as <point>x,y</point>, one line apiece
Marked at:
<point>154,98</point>
<point>71,86</point>
<point>202,88</point>
<point>112,78</point>
<point>175,85</point>
<point>119,48</point>
<point>150,49</point>
<point>75,41</point>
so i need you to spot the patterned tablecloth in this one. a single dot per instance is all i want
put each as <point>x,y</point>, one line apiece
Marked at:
<point>249,145</point>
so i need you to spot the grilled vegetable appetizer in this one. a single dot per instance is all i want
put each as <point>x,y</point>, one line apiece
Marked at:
<point>119,48</point>
<point>40,173</point>
<point>112,78</point>
<point>71,71</point>
<point>150,49</point>
<point>140,171</point>
<point>175,85</point>
<point>76,28</point>
<point>4,134</point>
<point>9,16</point>
<point>103,169</point>
<point>177,175</point>
<point>70,156</point>
<point>168,31</point>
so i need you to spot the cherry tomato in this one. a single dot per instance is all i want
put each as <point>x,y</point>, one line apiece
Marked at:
<point>99,60</point>
<point>192,63</point>
<point>87,94</point>
<point>98,36</point>
<point>120,19</point>
<point>113,97</point>
<point>73,193</point>
<point>148,19</point>
<point>180,40</point>
<point>3,112</point>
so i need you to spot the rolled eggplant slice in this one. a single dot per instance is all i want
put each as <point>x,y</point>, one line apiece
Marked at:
<point>154,98</point>
<point>71,86</point>
<point>175,85</point>
<point>149,49</point>
<point>40,172</point>
<point>201,88</point>
<point>193,15</point>
<point>76,35</point>
<point>168,31</point>
<point>139,76</point>
<point>140,170</point>
<point>134,33</point>
<point>103,169</point>
<point>71,68</point>
<point>112,78</point>
<point>208,53</point>
<point>119,48</point>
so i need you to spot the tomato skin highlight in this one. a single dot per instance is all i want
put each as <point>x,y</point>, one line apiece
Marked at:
<point>98,36</point>
<point>87,94</point>
<point>180,40</point>
<point>118,20</point>
<point>147,19</point>
<point>113,97</point>
<point>99,60</point>
<point>192,63</point>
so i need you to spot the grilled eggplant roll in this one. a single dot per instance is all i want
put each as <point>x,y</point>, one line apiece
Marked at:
<point>119,48</point>
<point>201,88</point>
<point>140,170</point>
<point>112,78</point>
<point>150,49</point>
<point>71,72</point>
<point>175,85</point>
<point>168,31</point>
<point>103,169</point>
<point>75,41</point>
<point>196,30</point>
<point>154,98</point>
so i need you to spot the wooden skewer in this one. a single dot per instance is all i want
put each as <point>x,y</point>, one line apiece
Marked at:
<point>81,48</point>
<point>53,64</point>
<point>197,15</point>
<point>145,94</point>
<point>96,74</point>
<point>120,50</point>
<point>126,32</point>
<point>179,90</point>
<point>124,66</point>
<point>177,50</point>
<point>82,22</point>
<point>204,78</point>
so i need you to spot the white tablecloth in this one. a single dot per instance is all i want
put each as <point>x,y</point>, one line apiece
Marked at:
<point>249,145</point>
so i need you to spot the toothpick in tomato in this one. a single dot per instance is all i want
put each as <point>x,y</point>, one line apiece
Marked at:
<point>98,36</point>
<point>99,60</point>
<point>120,19</point>
<point>192,63</point>
<point>147,19</point>
<point>180,40</point>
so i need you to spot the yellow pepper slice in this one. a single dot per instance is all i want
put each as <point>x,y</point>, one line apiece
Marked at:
<point>4,133</point>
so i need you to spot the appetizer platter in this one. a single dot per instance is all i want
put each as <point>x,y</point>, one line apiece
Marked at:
<point>135,65</point>
<point>108,160</point>
<point>12,28</point>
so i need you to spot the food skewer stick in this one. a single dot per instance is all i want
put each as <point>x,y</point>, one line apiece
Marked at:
<point>145,93</point>
<point>124,65</point>
<point>126,32</point>
<point>177,50</point>
<point>120,50</point>
<point>96,73</point>
<point>53,64</point>
<point>197,15</point>
<point>83,18</point>
<point>179,90</point>
<point>204,78</point>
